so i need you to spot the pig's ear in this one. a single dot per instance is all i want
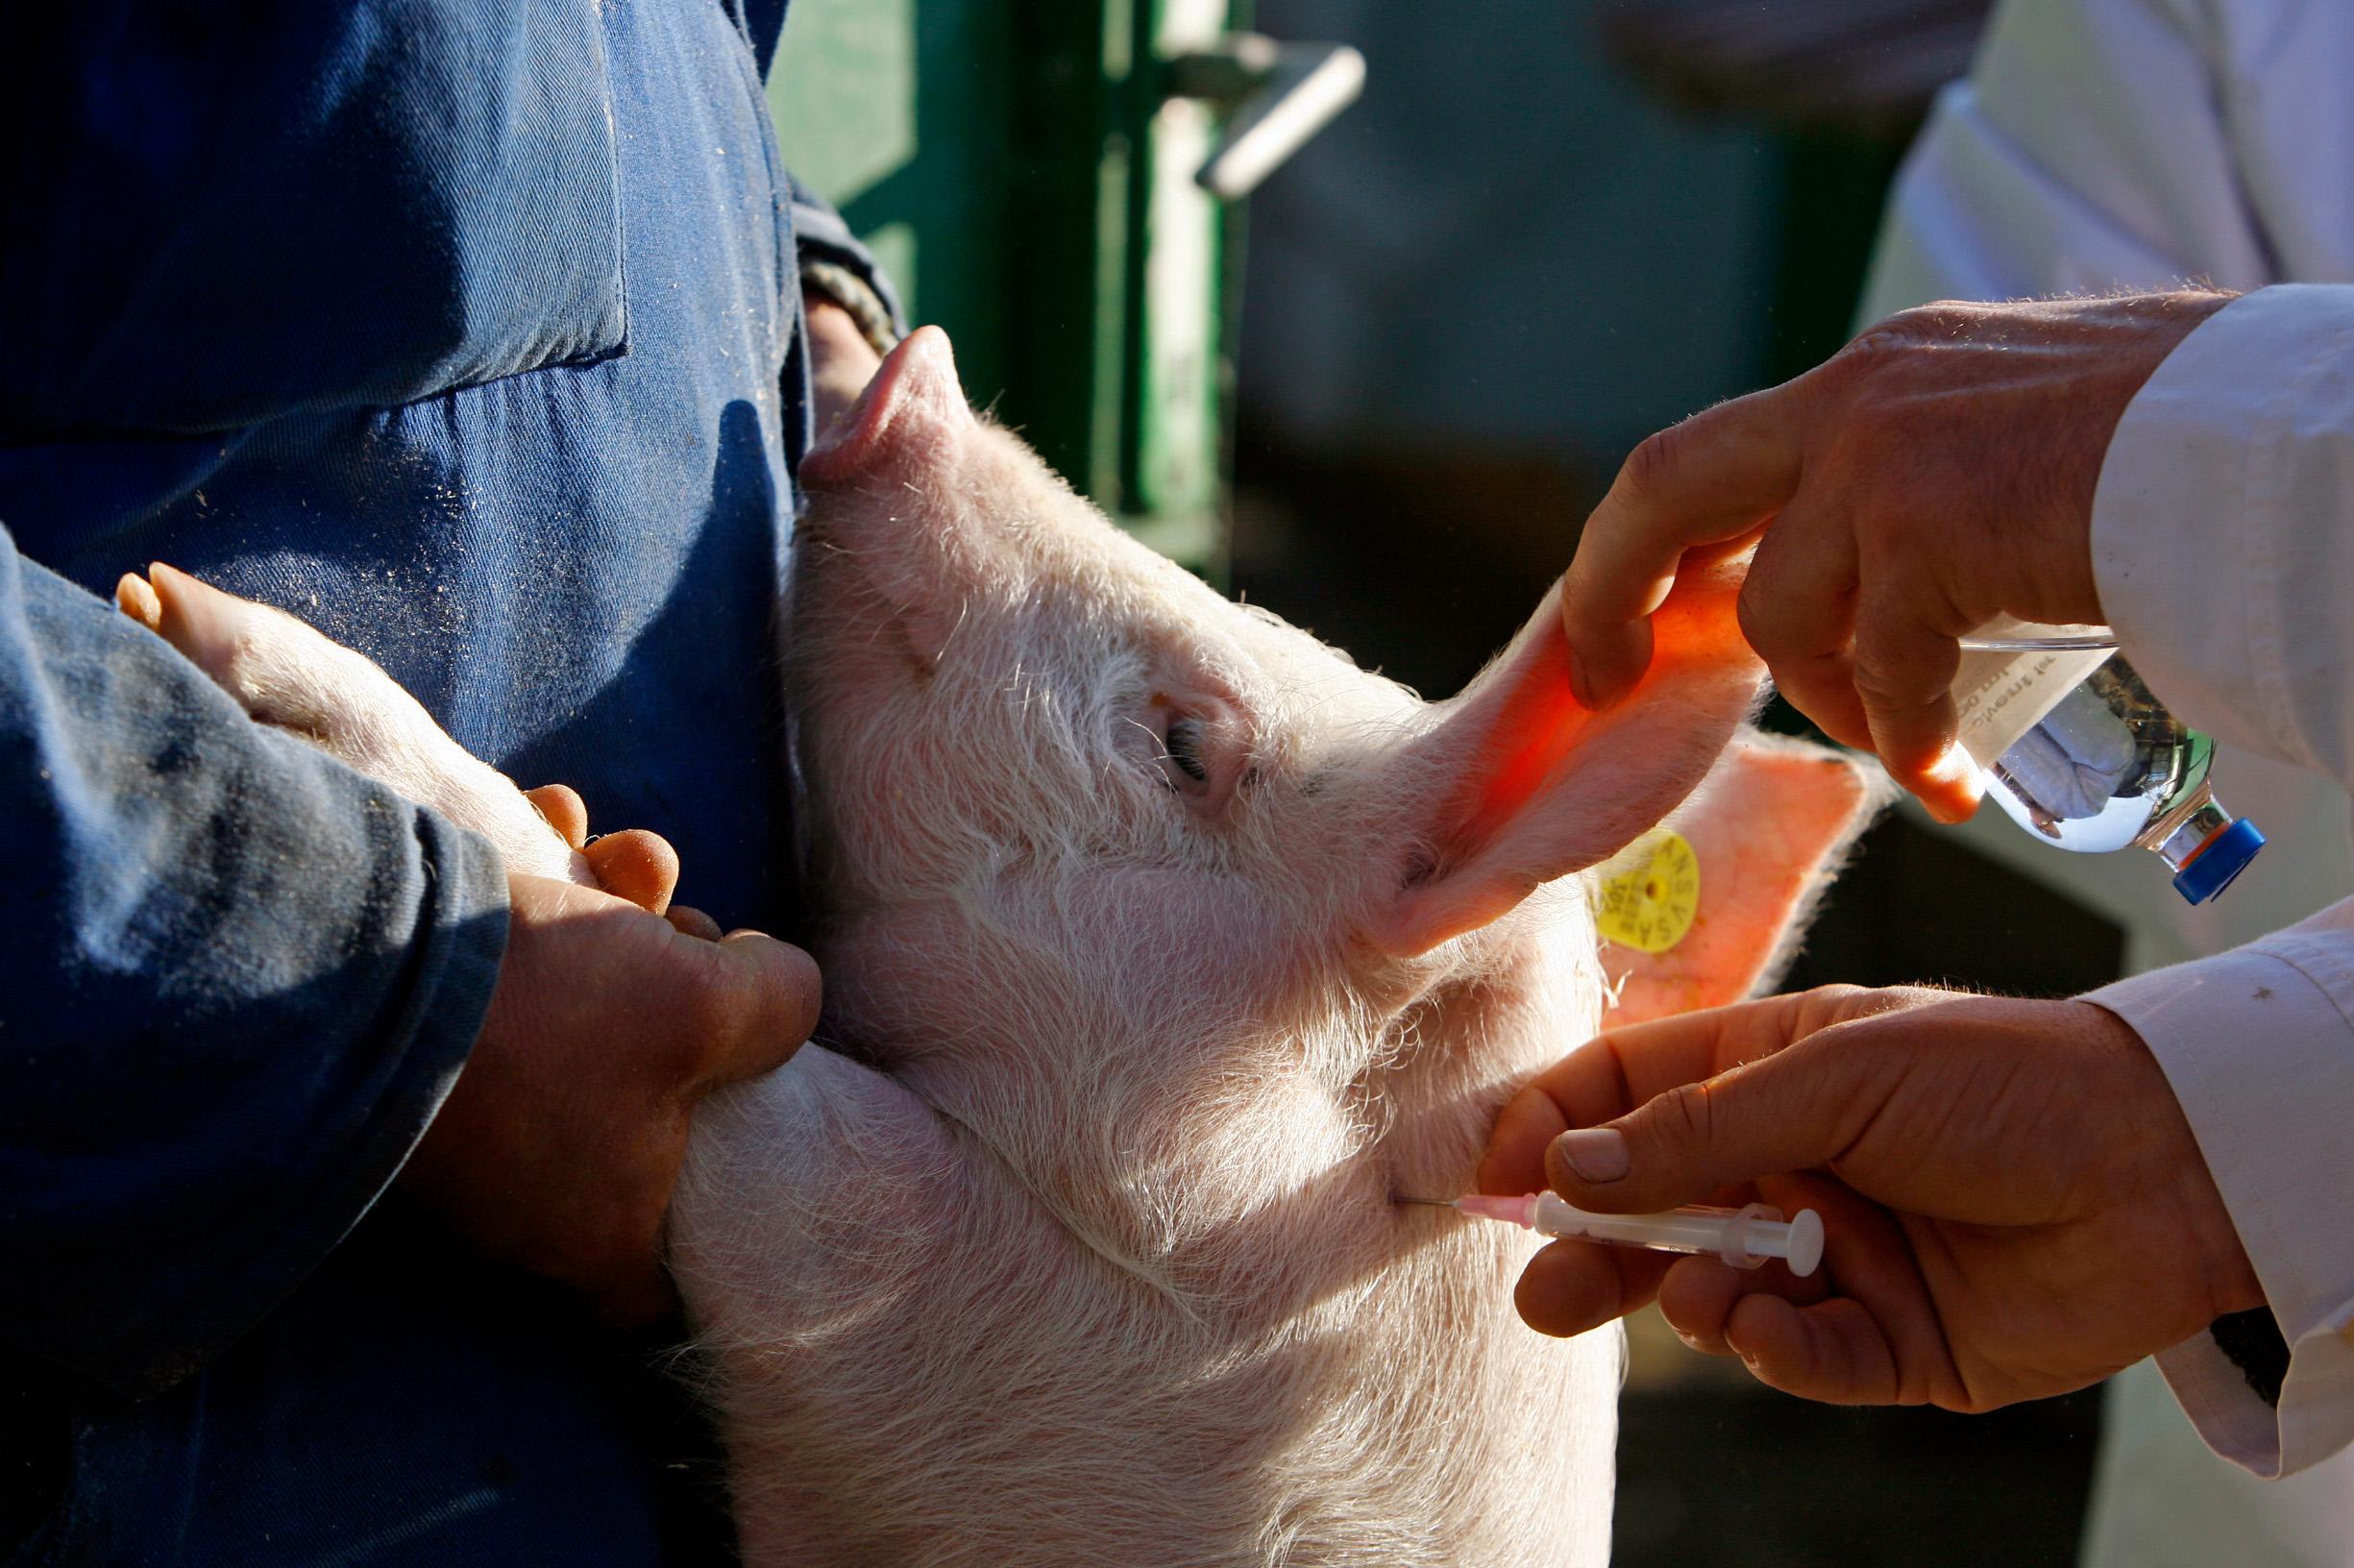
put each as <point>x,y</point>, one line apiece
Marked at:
<point>884,512</point>
<point>1519,783</point>
<point>912,407</point>
<point>1768,830</point>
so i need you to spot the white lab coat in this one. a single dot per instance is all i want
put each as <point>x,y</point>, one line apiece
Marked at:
<point>2123,144</point>
<point>2224,549</point>
<point>2131,144</point>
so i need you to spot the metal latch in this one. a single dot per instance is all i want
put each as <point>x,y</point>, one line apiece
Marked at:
<point>1276,96</point>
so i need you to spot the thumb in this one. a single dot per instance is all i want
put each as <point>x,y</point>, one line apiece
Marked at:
<point>762,1003</point>
<point>635,865</point>
<point>1792,1111</point>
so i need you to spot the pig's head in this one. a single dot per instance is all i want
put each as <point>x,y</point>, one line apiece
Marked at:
<point>1163,946</point>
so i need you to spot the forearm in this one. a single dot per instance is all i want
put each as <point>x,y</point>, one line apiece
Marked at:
<point>237,981</point>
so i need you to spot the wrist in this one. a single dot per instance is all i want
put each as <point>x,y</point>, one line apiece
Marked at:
<point>827,285</point>
<point>2228,1278</point>
<point>2177,1183</point>
<point>2135,336</point>
<point>2170,319</point>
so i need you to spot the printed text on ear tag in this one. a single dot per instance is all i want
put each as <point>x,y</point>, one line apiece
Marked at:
<point>1648,895</point>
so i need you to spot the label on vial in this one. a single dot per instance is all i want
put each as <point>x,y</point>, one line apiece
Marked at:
<point>1649,894</point>
<point>1999,696</point>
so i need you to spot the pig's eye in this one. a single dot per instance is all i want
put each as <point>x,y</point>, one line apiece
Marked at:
<point>1199,747</point>
<point>1182,748</point>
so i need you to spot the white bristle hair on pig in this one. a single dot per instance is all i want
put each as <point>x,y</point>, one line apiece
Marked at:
<point>1164,949</point>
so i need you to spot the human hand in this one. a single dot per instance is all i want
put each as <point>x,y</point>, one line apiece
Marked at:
<point>1936,473</point>
<point>841,362</point>
<point>558,1149</point>
<point>559,1145</point>
<point>2013,1204</point>
<point>633,864</point>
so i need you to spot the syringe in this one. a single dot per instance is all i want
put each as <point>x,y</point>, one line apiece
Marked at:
<point>1743,1238</point>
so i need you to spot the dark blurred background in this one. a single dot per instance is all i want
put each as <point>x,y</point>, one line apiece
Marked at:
<point>1380,397</point>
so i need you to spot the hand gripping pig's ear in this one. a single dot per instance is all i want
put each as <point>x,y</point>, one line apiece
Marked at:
<point>1519,783</point>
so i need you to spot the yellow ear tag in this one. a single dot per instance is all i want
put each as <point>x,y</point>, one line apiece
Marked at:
<point>1648,894</point>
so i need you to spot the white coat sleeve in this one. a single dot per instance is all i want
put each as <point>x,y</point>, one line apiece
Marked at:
<point>2223,549</point>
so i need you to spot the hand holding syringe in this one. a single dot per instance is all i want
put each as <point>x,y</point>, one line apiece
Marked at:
<point>1743,1238</point>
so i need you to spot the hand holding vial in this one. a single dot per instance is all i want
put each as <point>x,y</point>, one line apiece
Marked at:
<point>1937,472</point>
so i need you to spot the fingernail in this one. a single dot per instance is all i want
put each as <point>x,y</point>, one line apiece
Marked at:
<point>1596,1154</point>
<point>1956,775</point>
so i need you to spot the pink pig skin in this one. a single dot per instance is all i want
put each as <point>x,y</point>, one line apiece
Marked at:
<point>1163,947</point>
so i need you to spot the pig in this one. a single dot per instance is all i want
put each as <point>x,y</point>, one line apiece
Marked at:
<point>1165,950</point>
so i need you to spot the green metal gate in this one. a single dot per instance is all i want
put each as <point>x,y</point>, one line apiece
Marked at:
<point>1028,172</point>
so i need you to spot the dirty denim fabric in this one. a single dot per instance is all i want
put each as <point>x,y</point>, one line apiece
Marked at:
<point>466,329</point>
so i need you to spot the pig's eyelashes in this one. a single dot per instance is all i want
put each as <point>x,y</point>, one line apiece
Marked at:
<point>1197,747</point>
<point>1182,746</point>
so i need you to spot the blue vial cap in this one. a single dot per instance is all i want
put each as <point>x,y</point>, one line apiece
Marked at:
<point>2225,857</point>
